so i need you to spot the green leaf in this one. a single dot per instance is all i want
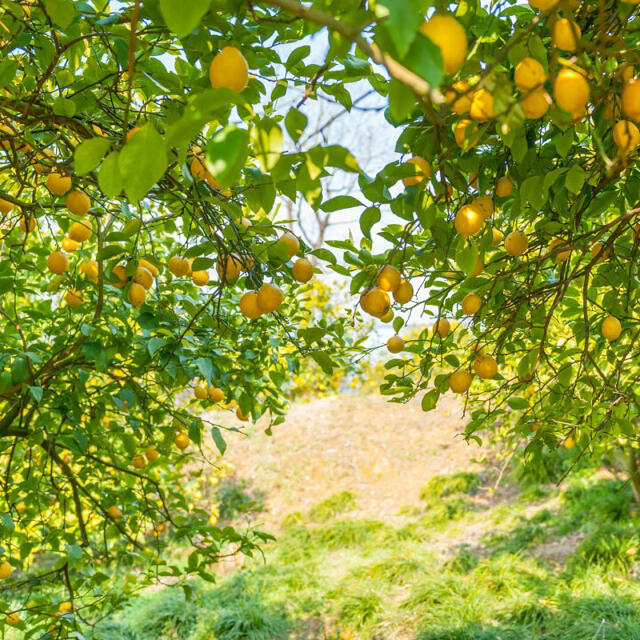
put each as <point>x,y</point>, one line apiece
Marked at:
<point>183,17</point>
<point>227,152</point>
<point>219,440</point>
<point>109,178</point>
<point>405,16</point>
<point>369,217</point>
<point>467,256</point>
<point>518,404</point>
<point>401,101</point>
<point>266,143</point>
<point>295,121</point>
<point>323,360</point>
<point>425,58</point>
<point>575,178</point>
<point>110,251</point>
<point>89,153</point>
<point>62,12</point>
<point>340,202</point>
<point>8,70</point>
<point>142,162</point>
<point>36,392</point>
<point>430,400</point>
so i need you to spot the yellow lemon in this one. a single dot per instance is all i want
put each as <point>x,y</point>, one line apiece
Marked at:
<point>395,344</point>
<point>57,262</point>
<point>471,304</point>
<point>422,171</point>
<point>302,270</point>
<point>447,34</point>
<point>529,74</point>
<point>611,328</point>
<point>485,366</point>
<point>571,90</point>
<point>516,243</point>
<point>404,292</point>
<point>459,381</point>
<point>389,278</point>
<point>504,187</point>
<point>482,106</point>
<point>229,69</point>
<point>269,297</point>
<point>565,34</point>
<point>441,328</point>
<point>535,104</point>
<point>58,184</point>
<point>468,221</point>
<point>631,99</point>
<point>249,305</point>
<point>78,203</point>
<point>626,136</point>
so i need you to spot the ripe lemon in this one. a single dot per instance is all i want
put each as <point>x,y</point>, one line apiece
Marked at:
<point>466,140</point>
<point>293,244</point>
<point>138,462</point>
<point>197,168</point>
<point>516,243</point>
<point>504,187</point>
<point>529,74</point>
<point>200,278</point>
<point>215,395</point>
<point>395,344</point>
<point>497,237</point>
<point>404,292</point>
<point>389,278</point>
<point>422,171</point>
<point>631,99</point>
<point>535,104</point>
<point>27,224</point>
<point>543,5</point>
<point>460,96</point>
<point>81,231</point>
<point>90,269</point>
<point>201,391</point>
<point>65,607</point>
<point>441,328</point>
<point>5,570</point>
<point>483,204</point>
<point>244,417</point>
<point>375,302</point>
<point>57,262</point>
<point>229,267</point>
<point>229,69</point>
<point>249,305</point>
<point>21,507</point>
<point>387,317</point>
<point>626,136</point>
<point>269,297</point>
<point>151,453</point>
<point>182,441</point>
<point>12,619</point>
<point>471,304</point>
<point>132,132</point>
<point>69,245</point>
<point>447,34</point>
<point>115,513</point>
<point>73,298</point>
<point>459,381</point>
<point>559,250</point>
<point>57,184</point>
<point>569,443</point>
<point>120,273</point>
<point>565,34</point>
<point>302,270</point>
<point>144,277</point>
<point>137,294</point>
<point>600,251</point>
<point>5,207</point>
<point>178,266</point>
<point>482,106</point>
<point>149,265</point>
<point>478,269</point>
<point>78,203</point>
<point>571,90</point>
<point>611,328</point>
<point>468,221</point>
<point>485,366</point>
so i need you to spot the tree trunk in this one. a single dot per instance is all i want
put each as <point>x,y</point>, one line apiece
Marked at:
<point>634,473</point>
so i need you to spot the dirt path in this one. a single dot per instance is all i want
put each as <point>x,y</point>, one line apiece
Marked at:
<point>381,451</point>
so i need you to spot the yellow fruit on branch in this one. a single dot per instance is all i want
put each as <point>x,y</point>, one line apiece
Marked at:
<point>65,607</point>
<point>559,250</point>
<point>143,277</point>
<point>292,243</point>
<point>200,278</point>
<point>73,298</point>
<point>229,69</point>
<point>459,381</point>
<point>5,207</point>
<point>138,462</point>
<point>571,90</point>
<point>121,278</point>
<point>422,170</point>
<point>78,203</point>
<point>471,304</point>
<point>535,104</point>
<point>611,328</point>
<point>626,136</point>
<point>504,187</point>
<point>182,441</point>
<point>229,267</point>
<point>466,134</point>
<point>302,270</point>
<point>459,96</point>
<point>5,570</point>
<point>516,243</point>
<point>178,266</point>
<point>482,106</point>
<point>485,367</point>
<point>137,294</point>
<point>269,297</point>
<point>57,262</point>
<point>81,231</point>
<point>389,278</point>
<point>497,237</point>
<point>69,245</point>
<point>150,266</point>
<point>631,99</point>
<point>27,223</point>
<point>569,443</point>
<point>565,34</point>
<point>529,74</point>
<point>395,344</point>
<point>403,293</point>
<point>115,513</point>
<point>91,270</point>
<point>441,328</point>
<point>12,619</point>
<point>249,305</point>
<point>447,34</point>
<point>151,453</point>
<point>483,204</point>
<point>600,251</point>
<point>243,417</point>
<point>201,391</point>
<point>58,184</point>
<point>215,395</point>
<point>375,302</point>
<point>468,221</point>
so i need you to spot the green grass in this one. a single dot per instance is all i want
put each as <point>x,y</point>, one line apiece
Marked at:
<point>331,577</point>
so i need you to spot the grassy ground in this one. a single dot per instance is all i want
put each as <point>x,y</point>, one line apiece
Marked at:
<point>455,561</point>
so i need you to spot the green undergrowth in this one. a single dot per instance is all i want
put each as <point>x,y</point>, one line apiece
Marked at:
<point>546,564</point>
